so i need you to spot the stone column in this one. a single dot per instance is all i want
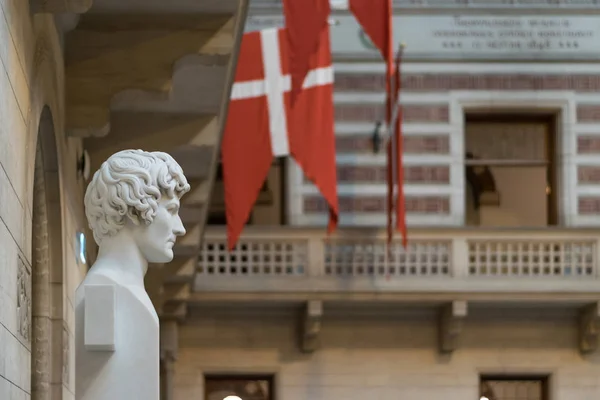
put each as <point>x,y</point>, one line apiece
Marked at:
<point>167,367</point>
<point>169,344</point>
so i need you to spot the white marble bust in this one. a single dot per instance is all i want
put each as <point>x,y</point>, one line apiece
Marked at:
<point>132,206</point>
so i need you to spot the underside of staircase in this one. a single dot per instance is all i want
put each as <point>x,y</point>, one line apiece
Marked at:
<point>155,75</point>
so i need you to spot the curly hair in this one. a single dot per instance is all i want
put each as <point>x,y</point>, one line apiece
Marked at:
<point>129,185</point>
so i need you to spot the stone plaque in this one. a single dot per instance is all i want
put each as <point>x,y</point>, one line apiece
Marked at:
<point>456,37</point>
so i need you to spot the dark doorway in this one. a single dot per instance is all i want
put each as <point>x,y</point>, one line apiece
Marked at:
<point>245,387</point>
<point>511,170</point>
<point>509,387</point>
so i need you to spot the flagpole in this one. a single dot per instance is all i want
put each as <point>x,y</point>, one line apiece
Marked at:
<point>393,137</point>
<point>396,107</point>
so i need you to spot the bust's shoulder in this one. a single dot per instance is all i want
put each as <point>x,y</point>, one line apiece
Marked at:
<point>101,275</point>
<point>94,277</point>
<point>99,278</point>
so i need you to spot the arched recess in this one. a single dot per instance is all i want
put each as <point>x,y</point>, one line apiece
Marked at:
<point>49,341</point>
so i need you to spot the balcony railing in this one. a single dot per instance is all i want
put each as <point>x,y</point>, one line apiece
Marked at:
<point>461,260</point>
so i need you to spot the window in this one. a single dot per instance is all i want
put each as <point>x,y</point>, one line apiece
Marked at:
<point>510,168</point>
<point>238,386</point>
<point>514,388</point>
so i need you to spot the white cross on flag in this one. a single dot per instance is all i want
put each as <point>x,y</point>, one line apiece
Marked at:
<point>261,124</point>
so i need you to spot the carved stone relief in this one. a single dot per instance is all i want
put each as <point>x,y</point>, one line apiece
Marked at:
<point>46,301</point>
<point>41,352</point>
<point>24,301</point>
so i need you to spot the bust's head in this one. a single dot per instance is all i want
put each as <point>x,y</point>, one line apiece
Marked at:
<point>138,192</point>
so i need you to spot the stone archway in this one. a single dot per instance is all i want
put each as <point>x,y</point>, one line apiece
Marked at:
<point>49,338</point>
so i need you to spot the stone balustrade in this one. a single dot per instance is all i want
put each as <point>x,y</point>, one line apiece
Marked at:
<point>288,259</point>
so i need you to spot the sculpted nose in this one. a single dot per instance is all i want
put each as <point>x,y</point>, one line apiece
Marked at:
<point>178,228</point>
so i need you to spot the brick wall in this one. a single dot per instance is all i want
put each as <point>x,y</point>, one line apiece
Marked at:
<point>588,113</point>
<point>422,144</point>
<point>588,175</point>
<point>411,82</point>
<point>377,204</point>
<point>355,175</point>
<point>421,174</point>
<point>375,112</point>
<point>28,81</point>
<point>427,101</point>
<point>371,357</point>
<point>588,205</point>
<point>587,144</point>
<point>378,174</point>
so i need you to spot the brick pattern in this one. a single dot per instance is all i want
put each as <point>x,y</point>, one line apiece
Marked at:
<point>588,174</point>
<point>372,82</point>
<point>505,4</point>
<point>375,112</point>
<point>588,113</point>
<point>427,144</point>
<point>422,144</point>
<point>588,144</point>
<point>377,204</point>
<point>588,205</point>
<point>413,174</point>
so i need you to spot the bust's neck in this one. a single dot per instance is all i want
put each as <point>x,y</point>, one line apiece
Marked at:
<point>120,257</point>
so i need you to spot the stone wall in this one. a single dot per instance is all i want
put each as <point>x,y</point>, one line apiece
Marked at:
<point>36,285</point>
<point>393,357</point>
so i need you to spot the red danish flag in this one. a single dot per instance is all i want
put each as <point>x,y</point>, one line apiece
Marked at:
<point>262,124</point>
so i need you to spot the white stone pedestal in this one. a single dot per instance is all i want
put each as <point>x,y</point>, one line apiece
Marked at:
<point>117,342</point>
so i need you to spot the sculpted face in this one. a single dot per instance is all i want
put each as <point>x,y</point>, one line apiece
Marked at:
<point>156,240</point>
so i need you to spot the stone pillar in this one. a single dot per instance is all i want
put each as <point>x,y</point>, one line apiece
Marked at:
<point>167,367</point>
<point>169,344</point>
